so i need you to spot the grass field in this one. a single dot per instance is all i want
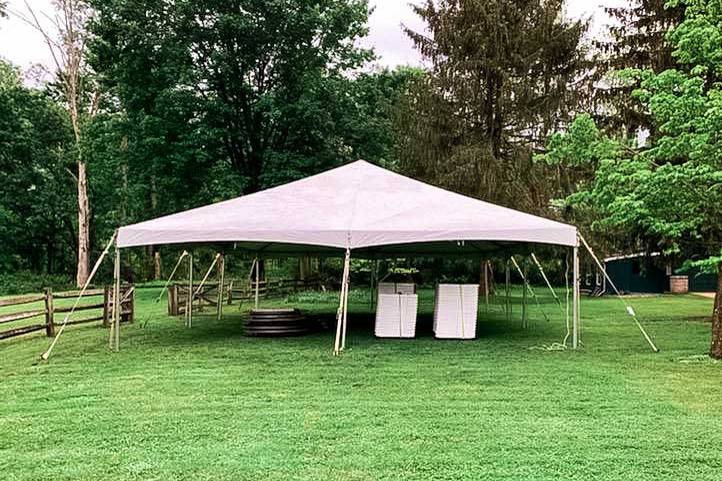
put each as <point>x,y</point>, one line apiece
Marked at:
<point>209,404</point>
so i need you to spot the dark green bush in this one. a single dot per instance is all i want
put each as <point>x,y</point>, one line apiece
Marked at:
<point>25,282</point>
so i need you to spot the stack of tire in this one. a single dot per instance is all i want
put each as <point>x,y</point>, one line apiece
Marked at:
<point>277,323</point>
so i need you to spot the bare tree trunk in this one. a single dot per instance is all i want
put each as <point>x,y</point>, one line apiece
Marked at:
<point>715,349</point>
<point>154,208</point>
<point>156,265</point>
<point>67,49</point>
<point>304,268</point>
<point>83,226</point>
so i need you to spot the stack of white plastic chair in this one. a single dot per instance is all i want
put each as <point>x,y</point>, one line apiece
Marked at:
<point>405,288</point>
<point>387,288</point>
<point>397,288</point>
<point>455,311</point>
<point>396,315</point>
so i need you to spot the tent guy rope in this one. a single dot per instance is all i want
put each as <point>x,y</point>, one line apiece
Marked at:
<point>528,287</point>
<point>172,274</point>
<point>628,308</point>
<point>44,356</point>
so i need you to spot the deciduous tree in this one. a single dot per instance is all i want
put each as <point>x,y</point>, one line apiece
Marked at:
<point>667,196</point>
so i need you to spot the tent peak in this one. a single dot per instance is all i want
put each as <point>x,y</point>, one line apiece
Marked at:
<point>356,205</point>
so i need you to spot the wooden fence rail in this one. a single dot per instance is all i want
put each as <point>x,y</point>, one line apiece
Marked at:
<point>232,290</point>
<point>98,300</point>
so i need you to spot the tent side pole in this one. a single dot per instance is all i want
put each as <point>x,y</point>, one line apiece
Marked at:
<point>339,313</point>
<point>347,270</point>
<point>524,307</point>
<point>485,276</point>
<point>116,301</point>
<point>575,297</point>
<point>221,275</point>
<point>257,282</point>
<point>507,290</point>
<point>189,299</point>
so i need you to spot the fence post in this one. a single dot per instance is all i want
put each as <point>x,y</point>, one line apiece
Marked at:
<point>49,313</point>
<point>106,305</point>
<point>131,316</point>
<point>230,292</point>
<point>171,301</point>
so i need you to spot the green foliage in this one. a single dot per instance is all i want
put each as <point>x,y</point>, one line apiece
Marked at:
<point>582,145</point>
<point>35,188</point>
<point>27,282</point>
<point>664,196</point>
<point>201,102</point>
<point>638,39</point>
<point>250,90</point>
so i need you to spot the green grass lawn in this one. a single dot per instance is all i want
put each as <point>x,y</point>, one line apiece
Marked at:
<point>209,404</point>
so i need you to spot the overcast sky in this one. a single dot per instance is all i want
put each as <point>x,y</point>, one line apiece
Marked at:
<point>23,46</point>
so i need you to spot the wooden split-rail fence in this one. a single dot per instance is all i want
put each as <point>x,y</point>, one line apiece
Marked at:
<point>36,312</point>
<point>233,290</point>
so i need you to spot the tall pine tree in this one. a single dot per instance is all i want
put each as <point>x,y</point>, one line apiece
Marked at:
<point>502,77</point>
<point>637,39</point>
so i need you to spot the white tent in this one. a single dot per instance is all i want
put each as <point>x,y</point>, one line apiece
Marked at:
<point>359,208</point>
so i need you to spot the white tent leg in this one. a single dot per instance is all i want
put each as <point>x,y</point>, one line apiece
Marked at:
<point>117,302</point>
<point>575,297</point>
<point>341,303</point>
<point>508,292</point>
<point>347,269</point>
<point>257,282</point>
<point>221,274</point>
<point>189,300</point>
<point>486,284</point>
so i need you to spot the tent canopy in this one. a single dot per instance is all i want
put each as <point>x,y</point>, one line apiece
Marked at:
<point>359,206</point>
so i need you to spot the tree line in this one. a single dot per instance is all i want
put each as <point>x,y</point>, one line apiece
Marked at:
<point>156,107</point>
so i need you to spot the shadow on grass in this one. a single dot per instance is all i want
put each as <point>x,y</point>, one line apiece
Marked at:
<point>207,330</point>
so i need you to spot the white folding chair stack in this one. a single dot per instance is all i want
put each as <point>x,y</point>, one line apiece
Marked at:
<point>396,315</point>
<point>387,288</point>
<point>455,311</point>
<point>405,288</point>
<point>397,288</point>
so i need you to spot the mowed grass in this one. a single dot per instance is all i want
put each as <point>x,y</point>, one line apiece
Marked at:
<point>207,403</point>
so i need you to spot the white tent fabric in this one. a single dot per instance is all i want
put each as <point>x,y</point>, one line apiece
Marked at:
<point>357,206</point>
